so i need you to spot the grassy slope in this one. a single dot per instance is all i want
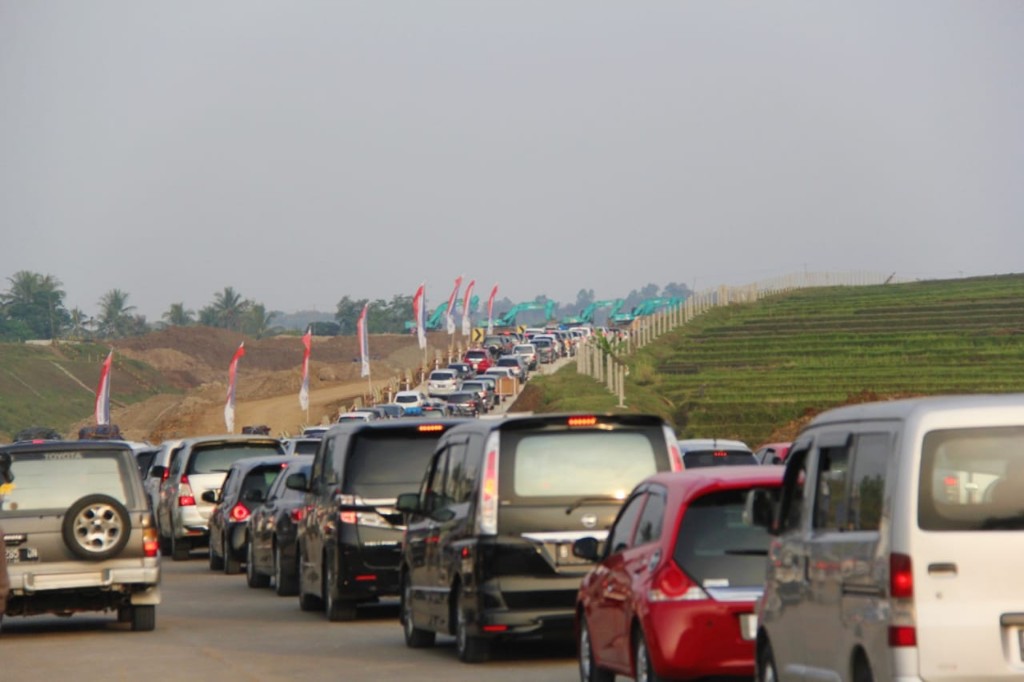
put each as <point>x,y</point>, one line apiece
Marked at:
<point>55,386</point>
<point>755,371</point>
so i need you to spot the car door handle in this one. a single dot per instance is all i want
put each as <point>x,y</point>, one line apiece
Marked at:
<point>947,568</point>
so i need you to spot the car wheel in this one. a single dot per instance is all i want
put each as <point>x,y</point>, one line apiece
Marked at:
<point>165,545</point>
<point>766,664</point>
<point>252,577</point>
<point>232,566</point>
<point>180,547</point>
<point>337,610</point>
<point>468,648</point>
<point>642,661</point>
<point>96,527</point>
<point>144,618</point>
<point>415,638</point>
<point>589,670</point>
<point>216,561</point>
<point>286,583</point>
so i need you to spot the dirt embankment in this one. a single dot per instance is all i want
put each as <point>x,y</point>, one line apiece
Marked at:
<point>196,359</point>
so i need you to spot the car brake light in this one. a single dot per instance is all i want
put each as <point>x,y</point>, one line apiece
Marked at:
<point>166,474</point>
<point>297,514</point>
<point>347,516</point>
<point>150,542</point>
<point>902,635</point>
<point>239,512</point>
<point>487,522</point>
<point>675,460</point>
<point>430,428</point>
<point>582,421</point>
<point>185,497</point>
<point>903,629</point>
<point>671,584</point>
<point>901,579</point>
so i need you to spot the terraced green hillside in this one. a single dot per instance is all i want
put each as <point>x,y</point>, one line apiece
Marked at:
<point>745,371</point>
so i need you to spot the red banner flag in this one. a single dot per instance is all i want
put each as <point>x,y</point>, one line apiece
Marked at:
<point>490,310</point>
<point>450,311</point>
<point>307,342</point>
<point>465,307</point>
<point>417,312</point>
<point>364,343</point>
<point>229,404</point>
<point>102,408</point>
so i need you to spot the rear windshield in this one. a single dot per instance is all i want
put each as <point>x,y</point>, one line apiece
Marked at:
<point>476,354</point>
<point>306,447</point>
<point>508,362</point>
<point>407,399</point>
<point>261,478</point>
<point>574,464</point>
<point>714,458</point>
<point>56,480</point>
<point>386,462</point>
<point>442,376</point>
<point>219,458</point>
<point>716,548</point>
<point>972,479</point>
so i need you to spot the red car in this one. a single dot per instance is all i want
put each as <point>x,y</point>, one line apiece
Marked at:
<point>479,358</point>
<point>673,593</point>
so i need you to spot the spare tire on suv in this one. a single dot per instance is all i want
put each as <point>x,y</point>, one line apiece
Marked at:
<point>78,532</point>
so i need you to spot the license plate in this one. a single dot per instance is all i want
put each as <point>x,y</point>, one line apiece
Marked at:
<point>12,554</point>
<point>748,626</point>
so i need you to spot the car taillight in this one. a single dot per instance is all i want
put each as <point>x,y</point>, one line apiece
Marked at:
<point>297,514</point>
<point>347,516</point>
<point>671,584</point>
<point>166,474</point>
<point>185,497</point>
<point>487,522</point>
<point>239,512</point>
<point>150,542</point>
<point>902,625</point>
<point>675,460</point>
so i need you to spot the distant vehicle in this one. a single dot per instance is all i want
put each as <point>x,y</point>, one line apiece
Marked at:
<point>357,415</point>
<point>411,401</point>
<point>483,389</point>
<point>256,430</point>
<point>478,358</point>
<point>314,431</point>
<point>516,364</point>
<point>528,352</point>
<point>273,533</point>
<point>706,452</point>
<point>37,433</point>
<point>772,453</point>
<point>441,382</point>
<point>300,446</point>
<point>465,404</point>
<point>392,410</point>
<point>464,369</point>
<point>100,432</point>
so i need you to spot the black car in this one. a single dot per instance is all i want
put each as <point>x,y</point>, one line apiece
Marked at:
<point>488,547</point>
<point>245,486</point>
<point>350,538</point>
<point>465,404</point>
<point>273,533</point>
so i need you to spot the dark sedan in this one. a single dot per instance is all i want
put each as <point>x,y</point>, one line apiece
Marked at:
<point>465,404</point>
<point>273,535</point>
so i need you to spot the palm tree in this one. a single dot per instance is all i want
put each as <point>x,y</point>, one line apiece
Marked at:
<point>229,307</point>
<point>79,324</point>
<point>115,320</point>
<point>257,320</point>
<point>178,316</point>
<point>37,301</point>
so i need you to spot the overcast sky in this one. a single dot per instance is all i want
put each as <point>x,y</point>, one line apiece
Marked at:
<point>302,151</point>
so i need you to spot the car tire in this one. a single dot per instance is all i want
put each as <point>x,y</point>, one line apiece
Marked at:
<point>216,561</point>
<point>180,548</point>
<point>253,578</point>
<point>96,527</point>
<point>643,668</point>
<point>337,610</point>
<point>468,648</point>
<point>415,638</point>
<point>143,618</point>
<point>589,670</point>
<point>232,566</point>
<point>765,670</point>
<point>165,545</point>
<point>286,583</point>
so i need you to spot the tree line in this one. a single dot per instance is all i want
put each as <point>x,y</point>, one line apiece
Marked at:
<point>33,307</point>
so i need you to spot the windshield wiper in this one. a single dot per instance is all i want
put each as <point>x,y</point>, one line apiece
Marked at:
<point>577,503</point>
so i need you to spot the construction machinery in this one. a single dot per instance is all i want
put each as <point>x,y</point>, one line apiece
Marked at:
<point>508,319</point>
<point>586,315</point>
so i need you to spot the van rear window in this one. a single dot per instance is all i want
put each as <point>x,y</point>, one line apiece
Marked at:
<point>580,463</point>
<point>382,464</point>
<point>972,479</point>
<point>57,480</point>
<point>716,548</point>
<point>219,458</point>
<point>714,458</point>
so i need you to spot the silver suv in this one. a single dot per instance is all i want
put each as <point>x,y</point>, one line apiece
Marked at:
<point>200,465</point>
<point>78,532</point>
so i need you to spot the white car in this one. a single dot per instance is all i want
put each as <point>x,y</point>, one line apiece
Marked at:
<point>528,352</point>
<point>442,382</point>
<point>411,401</point>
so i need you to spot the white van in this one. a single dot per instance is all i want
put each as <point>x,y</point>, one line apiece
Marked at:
<point>898,553</point>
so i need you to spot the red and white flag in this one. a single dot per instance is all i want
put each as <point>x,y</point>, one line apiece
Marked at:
<point>229,404</point>
<point>449,314</point>
<point>307,342</point>
<point>417,313</point>
<point>465,307</point>
<point>490,310</point>
<point>103,392</point>
<point>364,343</point>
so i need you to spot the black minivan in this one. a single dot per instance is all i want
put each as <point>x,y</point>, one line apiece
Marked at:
<point>349,541</point>
<point>488,545</point>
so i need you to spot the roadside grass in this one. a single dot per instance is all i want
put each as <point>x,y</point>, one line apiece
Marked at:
<point>757,371</point>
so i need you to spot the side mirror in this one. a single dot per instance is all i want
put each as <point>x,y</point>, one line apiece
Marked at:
<point>211,496</point>
<point>759,509</point>
<point>297,482</point>
<point>587,548</point>
<point>157,471</point>
<point>408,503</point>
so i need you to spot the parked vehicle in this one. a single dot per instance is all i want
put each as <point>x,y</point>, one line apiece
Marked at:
<point>487,552</point>
<point>673,593</point>
<point>353,483</point>
<point>442,382</point>
<point>201,465</point>
<point>895,545</point>
<point>78,532</point>
<point>273,533</point>
<point>772,453</point>
<point>245,487</point>
<point>707,452</point>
